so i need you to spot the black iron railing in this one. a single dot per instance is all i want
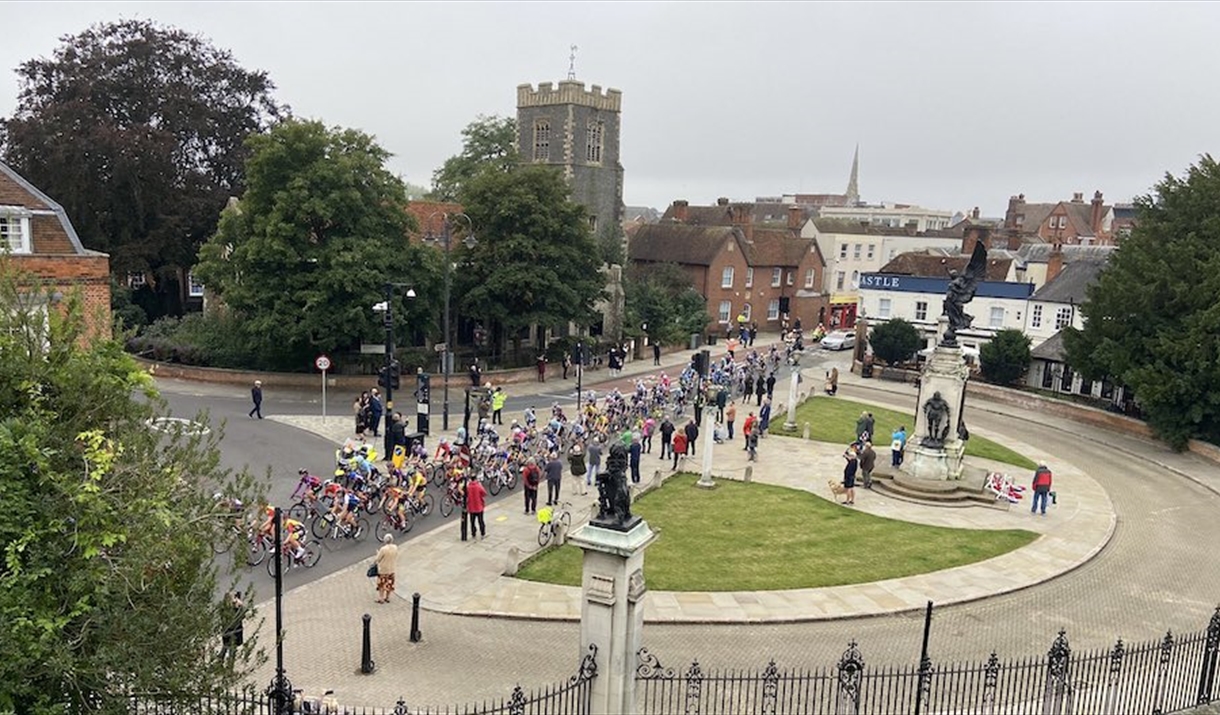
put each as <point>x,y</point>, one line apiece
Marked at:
<point>1161,676</point>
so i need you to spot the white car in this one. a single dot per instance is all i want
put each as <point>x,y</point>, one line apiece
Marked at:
<point>839,340</point>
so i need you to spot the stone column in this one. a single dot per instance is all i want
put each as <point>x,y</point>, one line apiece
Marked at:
<point>790,421</point>
<point>612,610</point>
<point>945,372</point>
<point>708,434</point>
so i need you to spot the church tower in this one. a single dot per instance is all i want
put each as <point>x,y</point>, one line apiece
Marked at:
<point>576,130</point>
<point>853,183</point>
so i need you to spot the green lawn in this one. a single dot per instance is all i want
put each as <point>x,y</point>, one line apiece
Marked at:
<point>833,419</point>
<point>750,537</point>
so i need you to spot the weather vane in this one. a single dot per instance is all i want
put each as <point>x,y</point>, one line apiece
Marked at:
<point>572,63</point>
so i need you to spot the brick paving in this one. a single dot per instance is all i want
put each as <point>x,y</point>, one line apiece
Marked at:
<point>1157,573</point>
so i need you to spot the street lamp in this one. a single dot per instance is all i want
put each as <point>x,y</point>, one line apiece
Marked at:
<point>387,316</point>
<point>445,240</point>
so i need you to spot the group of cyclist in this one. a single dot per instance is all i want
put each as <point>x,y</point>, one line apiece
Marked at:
<point>399,488</point>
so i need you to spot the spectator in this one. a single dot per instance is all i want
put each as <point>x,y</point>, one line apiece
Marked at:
<point>679,447</point>
<point>398,431</point>
<point>849,476</point>
<point>594,454</point>
<point>656,353</point>
<point>386,562</point>
<point>764,417</point>
<point>870,425</point>
<point>730,416</point>
<point>234,633</point>
<point>692,436</point>
<point>498,398</point>
<point>634,452</point>
<point>898,442</point>
<point>360,410</point>
<point>531,477</point>
<point>747,430</point>
<point>576,464</point>
<point>476,375</point>
<point>554,473</point>
<point>567,364</point>
<point>476,496</point>
<point>541,367</point>
<point>649,427</point>
<point>667,435</point>
<point>760,390</point>
<point>868,460</point>
<point>376,410</point>
<point>1042,489</point>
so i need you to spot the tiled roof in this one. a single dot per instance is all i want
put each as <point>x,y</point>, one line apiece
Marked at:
<point>680,243</point>
<point>429,215</point>
<point>1071,283</point>
<point>932,265</point>
<point>1035,214</point>
<point>777,247</point>
<point>1039,252</point>
<point>36,200</point>
<point>863,228</point>
<point>1050,349</point>
<point>761,212</point>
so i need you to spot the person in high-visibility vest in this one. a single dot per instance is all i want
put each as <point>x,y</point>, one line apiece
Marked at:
<point>498,398</point>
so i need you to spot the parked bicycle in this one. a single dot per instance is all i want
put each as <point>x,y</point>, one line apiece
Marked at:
<point>551,519</point>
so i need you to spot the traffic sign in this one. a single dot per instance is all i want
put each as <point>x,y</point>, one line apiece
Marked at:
<point>322,363</point>
<point>441,347</point>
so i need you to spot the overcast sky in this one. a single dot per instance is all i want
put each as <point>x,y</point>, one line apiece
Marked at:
<point>953,105</point>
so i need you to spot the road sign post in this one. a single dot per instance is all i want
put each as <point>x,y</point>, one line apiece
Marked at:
<point>323,364</point>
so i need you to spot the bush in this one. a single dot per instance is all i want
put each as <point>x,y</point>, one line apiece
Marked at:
<point>1006,358</point>
<point>895,341</point>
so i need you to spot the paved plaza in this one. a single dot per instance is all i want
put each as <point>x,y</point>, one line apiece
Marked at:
<point>1128,552</point>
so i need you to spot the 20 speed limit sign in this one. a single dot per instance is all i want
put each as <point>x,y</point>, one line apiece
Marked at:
<point>322,363</point>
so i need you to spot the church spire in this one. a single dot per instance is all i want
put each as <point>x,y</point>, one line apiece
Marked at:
<point>853,183</point>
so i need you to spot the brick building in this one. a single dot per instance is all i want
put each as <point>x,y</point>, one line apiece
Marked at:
<point>761,271</point>
<point>1066,222</point>
<point>43,246</point>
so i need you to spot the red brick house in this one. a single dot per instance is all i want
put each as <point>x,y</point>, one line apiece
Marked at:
<point>1066,222</point>
<point>740,268</point>
<point>39,240</point>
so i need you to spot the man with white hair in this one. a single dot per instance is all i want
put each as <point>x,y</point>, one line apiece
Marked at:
<point>256,394</point>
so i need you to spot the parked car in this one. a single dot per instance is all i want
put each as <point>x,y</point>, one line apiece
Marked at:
<point>839,340</point>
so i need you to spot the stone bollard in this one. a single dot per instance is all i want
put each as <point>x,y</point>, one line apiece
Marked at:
<point>594,510</point>
<point>513,562</point>
<point>806,430</point>
<point>561,534</point>
<point>804,396</point>
<point>657,480</point>
<point>749,477</point>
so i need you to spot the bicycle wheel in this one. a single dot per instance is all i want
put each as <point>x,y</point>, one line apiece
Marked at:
<point>223,542</point>
<point>446,505</point>
<point>320,528</point>
<point>284,557</point>
<point>426,506</point>
<point>544,535</point>
<point>312,554</point>
<point>383,527</point>
<point>566,519</point>
<point>256,552</point>
<point>361,530</point>
<point>438,475</point>
<point>494,483</point>
<point>298,511</point>
<point>511,480</point>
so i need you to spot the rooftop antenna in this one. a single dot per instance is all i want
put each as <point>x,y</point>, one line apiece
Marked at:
<point>572,62</point>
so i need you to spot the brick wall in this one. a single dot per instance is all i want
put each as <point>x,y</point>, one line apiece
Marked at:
<point>89,274</point>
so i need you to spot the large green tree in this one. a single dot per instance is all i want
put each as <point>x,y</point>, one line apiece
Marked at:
<point>305,254</point>
<point>661,296</point>
<point>895,341</point>
<point>138,129</point>
<point>107,582</point>
<point>1152,319</point>
<point>488,144</point>
<point>536,262</point>
<point>1005,358</point>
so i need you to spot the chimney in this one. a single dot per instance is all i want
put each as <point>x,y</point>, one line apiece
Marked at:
<point>975,213</point>
<point>1098,213</point>
<point>722,201</point>
<point>1054,262</point>
<point>795,217</point>
<point>1016,207</point>
<point>681,214</point>
<point>974,235</point>
<point>1078,198</point>
<point>741,216</point>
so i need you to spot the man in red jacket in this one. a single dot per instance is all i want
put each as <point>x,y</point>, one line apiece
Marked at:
<point>476,497</point>
<point>531,477</point>
<point>1042,488</point>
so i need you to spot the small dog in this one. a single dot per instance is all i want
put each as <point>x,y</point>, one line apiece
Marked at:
<point>836,489</point>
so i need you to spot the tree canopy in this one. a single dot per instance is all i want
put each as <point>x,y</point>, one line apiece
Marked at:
<point>661,296</point>
<point>1152,321</point>
<point>1005,358</point>
<point>536,262</point>
<point>137,129</point>
<point>305,254</point>
<point>488,144</point>
<point>107,582</point>
<point>895,341</point>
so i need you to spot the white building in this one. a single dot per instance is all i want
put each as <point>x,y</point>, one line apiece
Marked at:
<point>891,215</point>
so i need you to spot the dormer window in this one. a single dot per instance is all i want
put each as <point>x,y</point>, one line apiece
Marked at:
<point>15,229</point>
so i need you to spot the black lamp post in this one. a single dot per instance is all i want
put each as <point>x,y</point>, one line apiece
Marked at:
<point>388,321</point>
<point>280,691</point>
<point>445,240</point>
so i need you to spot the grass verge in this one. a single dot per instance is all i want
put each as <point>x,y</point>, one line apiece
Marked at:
<point>833,419</point>
<point>752,537</point>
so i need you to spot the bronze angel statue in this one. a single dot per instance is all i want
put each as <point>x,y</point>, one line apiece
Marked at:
<point>961,292</point>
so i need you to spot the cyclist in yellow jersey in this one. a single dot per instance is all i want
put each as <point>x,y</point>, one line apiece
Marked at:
<point>416,486</point>
<point>294,531</point>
